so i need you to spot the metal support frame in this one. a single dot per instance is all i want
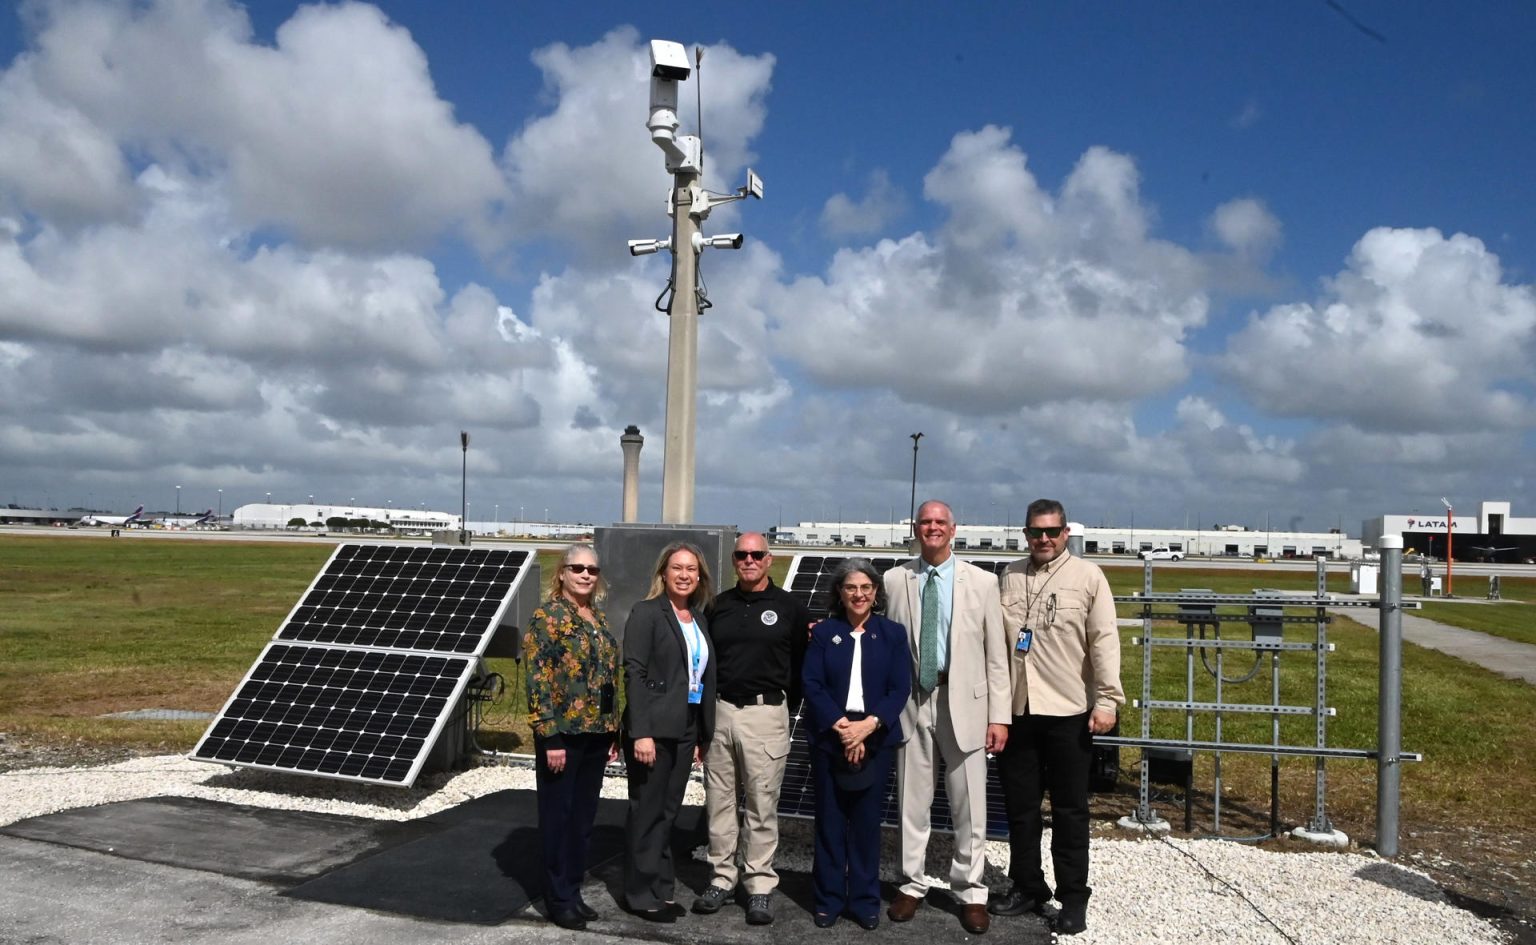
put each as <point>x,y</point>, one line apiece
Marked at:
<point>1196,610</point>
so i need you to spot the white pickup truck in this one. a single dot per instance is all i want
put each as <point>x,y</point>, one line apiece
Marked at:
<point>1161,554</point>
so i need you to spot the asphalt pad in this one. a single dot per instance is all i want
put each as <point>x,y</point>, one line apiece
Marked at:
<point>257,843</point>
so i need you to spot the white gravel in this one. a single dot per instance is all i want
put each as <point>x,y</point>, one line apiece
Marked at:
<point>1149,891</point>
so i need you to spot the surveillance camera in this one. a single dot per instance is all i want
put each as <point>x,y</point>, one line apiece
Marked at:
<point>647,247</point>
<point>723,241</point>
<point>669,60</point>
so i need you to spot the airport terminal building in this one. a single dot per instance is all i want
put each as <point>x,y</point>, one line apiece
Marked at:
<point>1491,534</point>
<point>263,515</point>
<point>1216,541</point>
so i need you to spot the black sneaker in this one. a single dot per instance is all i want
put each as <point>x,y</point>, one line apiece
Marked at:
<point>711,902</point>
<point>760,909</point>
<point>1015,902</point>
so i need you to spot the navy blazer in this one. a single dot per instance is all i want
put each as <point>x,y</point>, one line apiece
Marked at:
<point>656,673</point>
<point>887,677</point>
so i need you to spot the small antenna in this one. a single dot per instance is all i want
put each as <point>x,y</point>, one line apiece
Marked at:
<point>698,102</point>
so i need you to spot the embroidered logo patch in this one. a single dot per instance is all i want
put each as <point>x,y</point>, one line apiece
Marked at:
<point>770,617</point>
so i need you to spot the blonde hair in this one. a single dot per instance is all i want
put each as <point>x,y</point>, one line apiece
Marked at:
<point>702,593</point>
<point>557,589</point>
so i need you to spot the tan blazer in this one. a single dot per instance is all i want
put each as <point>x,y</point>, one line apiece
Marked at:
<point>979,691</point>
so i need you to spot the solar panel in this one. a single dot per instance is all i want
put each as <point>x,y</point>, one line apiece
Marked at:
<point>371,665</point>
<point>407,597</point>
<point>810,579</point>
<point>336,711</point>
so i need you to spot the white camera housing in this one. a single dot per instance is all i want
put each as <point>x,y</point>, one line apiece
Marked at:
<point>669,60</point>
<point>647,247</point>
<point>723,241</point>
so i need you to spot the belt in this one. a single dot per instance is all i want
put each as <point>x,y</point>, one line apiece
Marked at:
<point>761,698</point>
<point>943,679</point>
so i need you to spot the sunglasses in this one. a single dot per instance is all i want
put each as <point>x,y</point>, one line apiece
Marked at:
<point>754,555</point>
<point>1048,531</point>
<point>591,569</point>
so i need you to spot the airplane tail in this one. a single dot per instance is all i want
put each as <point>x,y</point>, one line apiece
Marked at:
<point>138,513</point>
<point>204,519</point>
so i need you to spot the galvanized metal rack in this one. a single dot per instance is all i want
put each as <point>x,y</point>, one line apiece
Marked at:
<point>1202,640</point>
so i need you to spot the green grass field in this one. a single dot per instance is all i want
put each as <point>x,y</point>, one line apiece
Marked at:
<point>93,626</point>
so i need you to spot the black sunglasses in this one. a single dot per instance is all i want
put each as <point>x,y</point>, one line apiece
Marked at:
<point>1049,531</point>
<point>754,555</point>
<point>591,569</point>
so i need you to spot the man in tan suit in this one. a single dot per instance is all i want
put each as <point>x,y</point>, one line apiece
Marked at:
<point>959,710</point>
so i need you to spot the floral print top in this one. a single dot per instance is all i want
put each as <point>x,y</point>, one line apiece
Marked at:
<point>572,670</point>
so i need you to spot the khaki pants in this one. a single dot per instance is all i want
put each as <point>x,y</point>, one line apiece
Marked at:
<point>746,755</point>
<point>965,780</point>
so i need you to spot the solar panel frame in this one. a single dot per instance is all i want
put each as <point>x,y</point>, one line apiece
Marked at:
<point>325,707</point>
<point>808,579</point>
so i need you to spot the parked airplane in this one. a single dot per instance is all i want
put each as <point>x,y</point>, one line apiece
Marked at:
<point>187,521</point>
<point>1486,553</point>
<point>136,518</point>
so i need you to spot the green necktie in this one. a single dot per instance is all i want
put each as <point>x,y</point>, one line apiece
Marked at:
<point>928,638</point>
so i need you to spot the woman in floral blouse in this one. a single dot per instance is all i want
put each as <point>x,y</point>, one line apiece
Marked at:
<point>573,670</point>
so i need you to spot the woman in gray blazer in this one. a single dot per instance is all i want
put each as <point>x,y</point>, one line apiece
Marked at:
<point>669,682</point>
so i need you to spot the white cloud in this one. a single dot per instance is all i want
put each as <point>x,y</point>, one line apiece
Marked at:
<point>1019,298</point>
<point>1248,116</point>
<point>1246,227</point>
<point>334,134</point>
<point>1419,334</point>
<point>881,204</point>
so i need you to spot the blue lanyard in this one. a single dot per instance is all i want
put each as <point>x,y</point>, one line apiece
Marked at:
<point>695,649</point>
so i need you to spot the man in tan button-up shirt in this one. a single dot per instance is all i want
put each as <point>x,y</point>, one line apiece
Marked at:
<point>1060,616</point>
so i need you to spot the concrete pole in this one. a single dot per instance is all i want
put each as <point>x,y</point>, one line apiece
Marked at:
<point>1389,725</point>
<point>682,359</point>
<point>631,442</point>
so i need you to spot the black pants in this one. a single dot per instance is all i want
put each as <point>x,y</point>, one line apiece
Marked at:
<point>655,797</point>
<point>1055,753</point>
<point>567,809</point>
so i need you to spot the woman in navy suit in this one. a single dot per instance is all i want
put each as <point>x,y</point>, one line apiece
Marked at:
<point>669,715</point>
<point>857,677</point>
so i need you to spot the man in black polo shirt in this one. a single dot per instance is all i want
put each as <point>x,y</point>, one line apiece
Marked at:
<point>757,633</point>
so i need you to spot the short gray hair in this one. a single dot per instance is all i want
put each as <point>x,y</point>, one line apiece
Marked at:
<point>845,570</point>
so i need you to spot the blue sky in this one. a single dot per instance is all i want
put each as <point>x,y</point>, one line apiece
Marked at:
<point>1183,261</point>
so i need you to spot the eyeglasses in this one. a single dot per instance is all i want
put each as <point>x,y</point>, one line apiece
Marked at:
<point>858,589</point>
<point>754,555</point>
<point>591,569</point>
<point>1047,531</point>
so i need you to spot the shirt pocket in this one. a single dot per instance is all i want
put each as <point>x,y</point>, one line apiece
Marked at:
<point>1015,610</point>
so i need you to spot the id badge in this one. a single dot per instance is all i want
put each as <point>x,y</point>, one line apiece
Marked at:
<point>1026,637</point>
<point>695,695</point>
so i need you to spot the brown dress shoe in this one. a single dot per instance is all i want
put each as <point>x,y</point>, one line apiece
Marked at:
<point>903,907</point>
<point>974,918</point>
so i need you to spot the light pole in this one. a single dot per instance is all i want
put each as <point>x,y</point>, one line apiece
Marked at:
<point>221,503</point>
<point>464,485</point>
<point>913,514</point>
<point>178,500</point>
<point>1450,520</point>
<point>690,206</point>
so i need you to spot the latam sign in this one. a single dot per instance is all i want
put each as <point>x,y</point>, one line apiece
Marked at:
<point>1425,524</point>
